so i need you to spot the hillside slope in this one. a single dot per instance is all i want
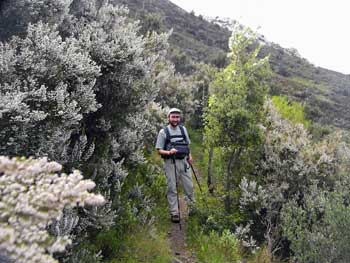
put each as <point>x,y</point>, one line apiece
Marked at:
<point>325,93</point>
<point>192,34</point>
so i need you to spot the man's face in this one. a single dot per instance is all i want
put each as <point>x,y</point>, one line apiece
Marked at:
<point>174,119</point>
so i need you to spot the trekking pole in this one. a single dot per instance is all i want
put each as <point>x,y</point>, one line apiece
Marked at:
<point>195,176</point>
<point>177,191</point>
<point>200,189</point>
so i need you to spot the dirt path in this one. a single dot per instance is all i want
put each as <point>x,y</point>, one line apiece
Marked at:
<point>177,238</point>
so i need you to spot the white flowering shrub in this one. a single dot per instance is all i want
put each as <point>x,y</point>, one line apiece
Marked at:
<point>317,225</point>
<point>81,92</point>
<point>131,73</point>
<point>176,90</point>
<point>32,195</point>
<point>291,163</point>
<point>46,86</point>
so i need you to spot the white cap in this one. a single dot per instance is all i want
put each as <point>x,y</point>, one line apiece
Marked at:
<point>173,110</point>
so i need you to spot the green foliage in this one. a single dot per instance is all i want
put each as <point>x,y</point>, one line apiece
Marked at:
<point>237,98</point>
<point>109,243</point>
<point>290,165</point>
<point>211,213</point>
<point>82,93</point>
<point>145,246</point>
<point>205,41</point>
<point>239,91</point>
<point>236,106</point>
<point>232,132</point>
<point>323,97</point>
<point>195,39</point>
<point>219,59</point>
<point>290,110</point>
<point>320,131</point>
<point>176,91</point>
<point>141,217</point>
<point>213,247</point>
<point>261,256</point>
<point>319,230</point>
<point>201,78</point>
<point>151,22</point>
<point>182,62</point>
<point>140,235</point>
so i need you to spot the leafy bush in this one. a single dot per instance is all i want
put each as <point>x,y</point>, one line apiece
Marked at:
<point>213,247</point>
<point>290,110</point>
<point>109,243</point>
<point>319,230</point>
<point>289,166</point>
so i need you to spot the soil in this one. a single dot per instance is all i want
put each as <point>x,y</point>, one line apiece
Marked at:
<point>177,238</point>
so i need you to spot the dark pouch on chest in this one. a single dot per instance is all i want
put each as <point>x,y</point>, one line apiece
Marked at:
<point>182,150</point>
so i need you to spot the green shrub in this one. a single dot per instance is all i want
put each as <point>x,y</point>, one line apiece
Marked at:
<point>319,231</point>
<point>290,110</point>
<point>109,243</point>
<point>214,247</point>
<point>145,245</point>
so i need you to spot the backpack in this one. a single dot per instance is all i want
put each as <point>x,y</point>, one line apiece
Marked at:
<point>181,146</point>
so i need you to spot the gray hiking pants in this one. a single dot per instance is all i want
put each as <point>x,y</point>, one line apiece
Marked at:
<point>184,177</point>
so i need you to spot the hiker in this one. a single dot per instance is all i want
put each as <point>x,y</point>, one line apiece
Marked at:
<point>173,146</point>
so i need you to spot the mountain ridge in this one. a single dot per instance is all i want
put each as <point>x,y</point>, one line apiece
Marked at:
<point>324,93</point>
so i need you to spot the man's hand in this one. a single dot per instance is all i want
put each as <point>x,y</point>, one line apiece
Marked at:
<point>172,151</point>
<point>190,159</point>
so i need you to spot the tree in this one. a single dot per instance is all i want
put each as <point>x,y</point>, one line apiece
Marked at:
<point>235,106</point>
<point>151,22</point>
<point>202,79</point>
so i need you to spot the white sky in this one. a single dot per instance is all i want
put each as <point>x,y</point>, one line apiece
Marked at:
<point>318,29</point>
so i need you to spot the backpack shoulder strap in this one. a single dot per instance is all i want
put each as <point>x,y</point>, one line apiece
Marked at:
<point>183,133</point>
<point>167,137</point>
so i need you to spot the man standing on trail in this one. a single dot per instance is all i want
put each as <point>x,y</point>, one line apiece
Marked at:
<point>173,145</point>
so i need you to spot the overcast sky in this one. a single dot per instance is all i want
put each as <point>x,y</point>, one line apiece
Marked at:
<point>318,29</point>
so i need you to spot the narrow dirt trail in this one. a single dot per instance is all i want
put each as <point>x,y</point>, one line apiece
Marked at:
<point>177,238</point>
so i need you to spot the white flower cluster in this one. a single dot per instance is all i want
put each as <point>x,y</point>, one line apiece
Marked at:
<point>32,194</point>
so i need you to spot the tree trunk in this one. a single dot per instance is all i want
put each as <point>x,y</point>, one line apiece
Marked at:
<point>269,240</point>
<point>210,170</point>
<point>230,172</point>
